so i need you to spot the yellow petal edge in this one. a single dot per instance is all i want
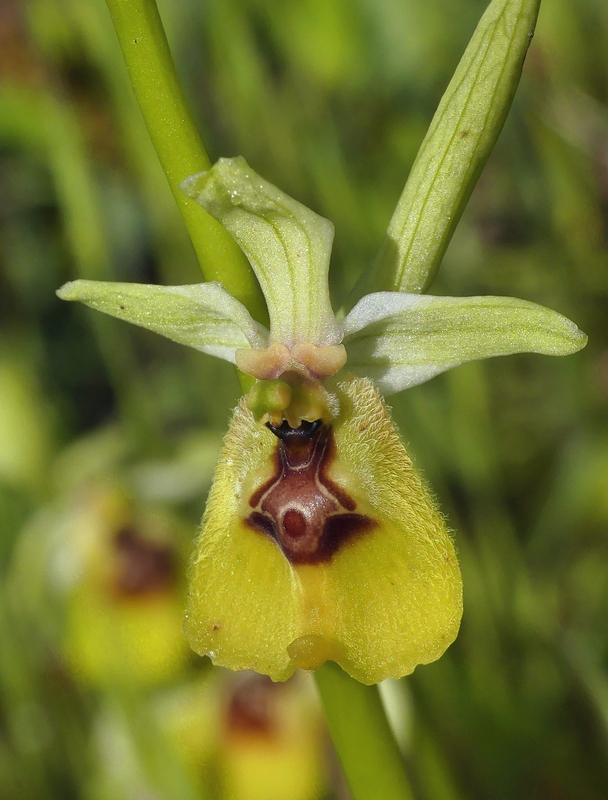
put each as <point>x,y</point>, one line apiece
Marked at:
<point>388,600</point>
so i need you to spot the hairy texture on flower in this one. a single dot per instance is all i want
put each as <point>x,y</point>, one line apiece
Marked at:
<point>387,598</point>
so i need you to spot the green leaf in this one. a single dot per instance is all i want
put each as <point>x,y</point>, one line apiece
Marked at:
<point>287,244</point>
<point>400,340</point>
<point>202,315</point>
<point>462,134</point>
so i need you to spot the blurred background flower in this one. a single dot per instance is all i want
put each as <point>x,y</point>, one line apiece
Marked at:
<point>108,434</point>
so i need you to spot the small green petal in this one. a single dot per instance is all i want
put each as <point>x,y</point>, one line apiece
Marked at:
<point>287,244</point>
<point>461,136</point>
<point>202,315</point>
<point>400,340</point>
<point>387,598</point>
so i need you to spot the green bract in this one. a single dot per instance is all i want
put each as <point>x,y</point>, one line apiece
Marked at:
<point>460,138</point>
<point>319,540</point>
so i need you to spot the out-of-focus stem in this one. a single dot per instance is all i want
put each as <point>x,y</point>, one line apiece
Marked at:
<point>369,755</point>
<point>178,144</point>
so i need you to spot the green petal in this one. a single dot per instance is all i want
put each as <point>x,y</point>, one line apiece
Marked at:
<point>460,138</point>
<point>400,340</point>
<point>387,600</point>
<point>287,244</point>
<point>202,315</point>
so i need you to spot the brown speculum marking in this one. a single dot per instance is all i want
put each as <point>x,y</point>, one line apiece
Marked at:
<point>300,507</point>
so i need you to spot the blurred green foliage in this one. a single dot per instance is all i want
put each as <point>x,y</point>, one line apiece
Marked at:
<point>107,429</point>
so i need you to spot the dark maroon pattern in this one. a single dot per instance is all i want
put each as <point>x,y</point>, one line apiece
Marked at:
<point>300,507</point>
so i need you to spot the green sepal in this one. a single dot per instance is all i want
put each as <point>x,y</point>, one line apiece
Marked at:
<point>400,340</point>
<point>385,602</point>
<point>460,138</point>
<point>287,244</point>
<point>201,315</point>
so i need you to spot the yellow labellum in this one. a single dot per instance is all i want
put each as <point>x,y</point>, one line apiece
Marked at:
<point>379,592</point>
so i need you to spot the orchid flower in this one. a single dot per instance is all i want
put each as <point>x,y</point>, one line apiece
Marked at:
<point>319,540</point>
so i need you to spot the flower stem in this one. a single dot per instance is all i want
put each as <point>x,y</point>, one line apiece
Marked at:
<point>369,755</point>
<point>178,145</point>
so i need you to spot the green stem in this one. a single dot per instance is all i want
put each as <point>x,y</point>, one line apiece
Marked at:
<point>369,755</point>
<point>178,145</point>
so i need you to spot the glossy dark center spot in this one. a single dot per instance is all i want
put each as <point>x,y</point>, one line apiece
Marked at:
<point>300,507</point>
<point>294,523</point>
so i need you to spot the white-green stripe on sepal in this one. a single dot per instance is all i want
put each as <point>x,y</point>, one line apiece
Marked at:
<point>287,244</point>
<point>460,138</point>
<point>400,340</point>
<point>201,315</point>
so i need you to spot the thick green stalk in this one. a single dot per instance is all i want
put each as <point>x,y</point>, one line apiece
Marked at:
<point>369,755</point>
<point>178,144</point>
